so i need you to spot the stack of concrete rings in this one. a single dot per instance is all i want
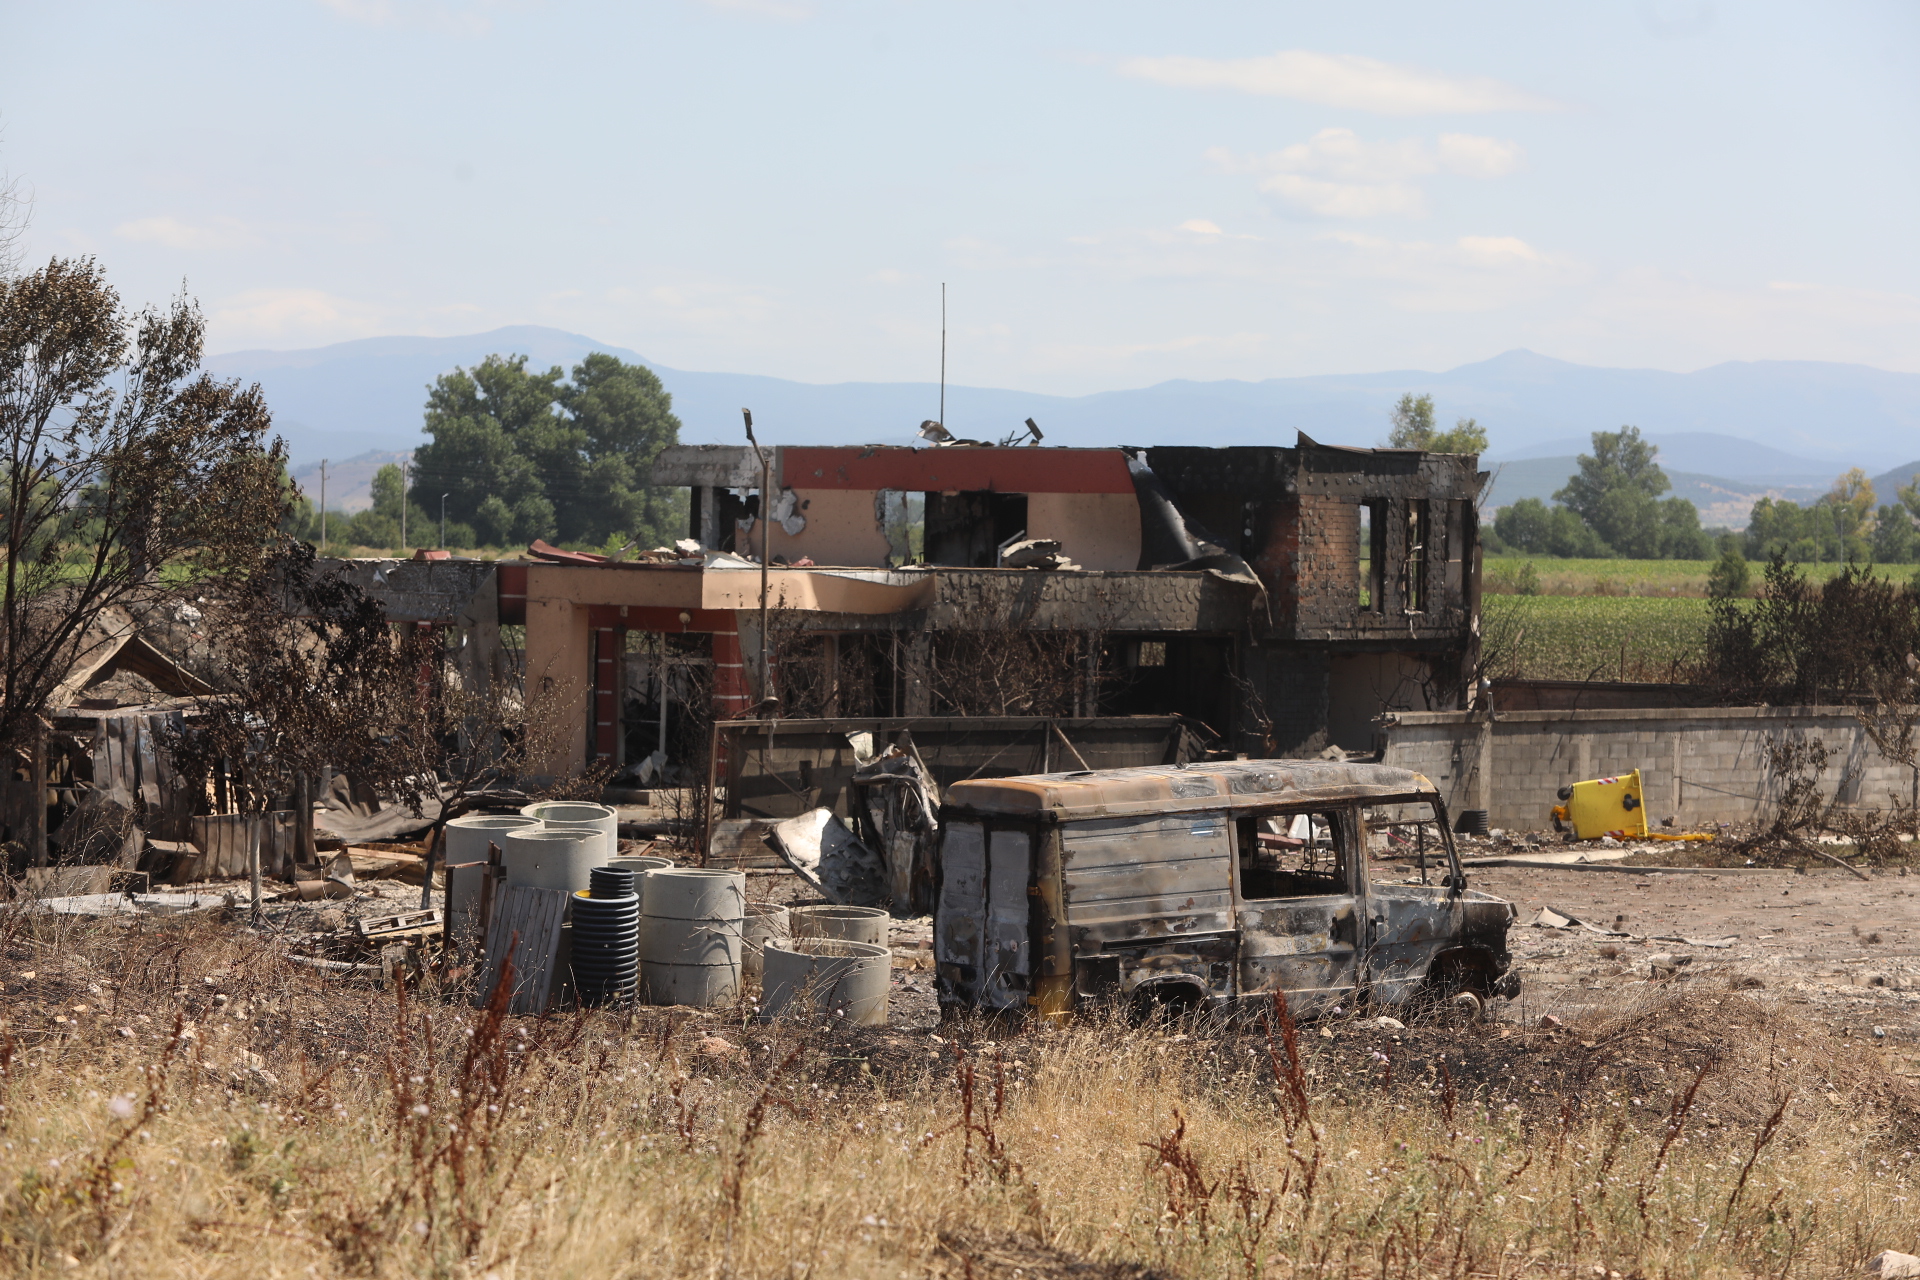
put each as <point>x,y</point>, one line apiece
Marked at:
<point>690,936</point>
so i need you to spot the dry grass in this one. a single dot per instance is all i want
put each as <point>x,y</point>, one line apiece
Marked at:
<point>212,1111</point>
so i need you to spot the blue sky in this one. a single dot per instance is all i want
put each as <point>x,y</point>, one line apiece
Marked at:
<point>1114,193</point>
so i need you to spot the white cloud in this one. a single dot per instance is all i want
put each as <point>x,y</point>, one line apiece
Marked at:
<point>786,12</point>
<point>172,233</point>
<point>1470,274</point>
<point>1340,80</point>
<point>1201,227</point>
<point>451,17</point>
<point>1498,251</point>
<point>1338,174</point>
<point>1347,199</point>
<point>259,315</point>
<point>1477,157</point>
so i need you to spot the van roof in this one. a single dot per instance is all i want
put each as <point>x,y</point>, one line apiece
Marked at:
<point>1212,785</point>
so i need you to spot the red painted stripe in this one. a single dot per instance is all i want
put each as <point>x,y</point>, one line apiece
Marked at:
<point>921,470</point>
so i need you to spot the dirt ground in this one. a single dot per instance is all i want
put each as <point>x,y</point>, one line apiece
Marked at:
<point>1849,948</point>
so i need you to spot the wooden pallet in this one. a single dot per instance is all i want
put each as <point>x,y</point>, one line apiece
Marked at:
<point>405,926</point>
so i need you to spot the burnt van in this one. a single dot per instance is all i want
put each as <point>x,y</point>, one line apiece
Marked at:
<point>1200,886</point>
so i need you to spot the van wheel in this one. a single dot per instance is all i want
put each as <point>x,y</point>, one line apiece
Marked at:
<point>1467,1007</point>
<point>1164,1003</point>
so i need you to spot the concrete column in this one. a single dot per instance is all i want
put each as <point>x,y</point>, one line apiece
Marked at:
<point>559,680</point>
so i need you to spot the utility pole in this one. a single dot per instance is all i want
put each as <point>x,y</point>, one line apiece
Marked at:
<point>766,512</point>
<point>404,463</point>
<point>323,506</point>
<point>443,522</point>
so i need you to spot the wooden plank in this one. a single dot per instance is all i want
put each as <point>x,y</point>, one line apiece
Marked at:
<point>529,919</point>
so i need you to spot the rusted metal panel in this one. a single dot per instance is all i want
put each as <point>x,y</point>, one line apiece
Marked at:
<point>959,918</point>
<point>1128,879</point>
<point>1410,926</point>
<point>1008,954</point>
<point>1240,783</point>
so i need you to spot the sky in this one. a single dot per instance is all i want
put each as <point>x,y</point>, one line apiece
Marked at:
<point>1114,194</point>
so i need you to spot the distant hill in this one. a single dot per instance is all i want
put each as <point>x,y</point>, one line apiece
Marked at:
<point>346,399</point>
<point>349,481</point>
<point>1707,452</point>
<point>1887,485</point>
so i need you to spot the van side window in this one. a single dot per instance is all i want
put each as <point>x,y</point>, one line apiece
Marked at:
<point>1294,855</point>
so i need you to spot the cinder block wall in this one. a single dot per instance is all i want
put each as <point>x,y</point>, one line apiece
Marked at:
<point>1705,765</point>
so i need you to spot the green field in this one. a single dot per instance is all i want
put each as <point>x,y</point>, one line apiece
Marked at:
<point>1593,637</point>
<point>1501,574</point>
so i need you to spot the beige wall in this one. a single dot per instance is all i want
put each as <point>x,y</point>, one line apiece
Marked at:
<point>1095,530</point>
<point>559,676</point>
<point>840,530</point>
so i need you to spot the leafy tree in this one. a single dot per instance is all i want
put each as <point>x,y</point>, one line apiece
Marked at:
<point>523,455</point>
<point>1617,493</point>
<point>118,458</point>
<point>1729,576</point>
<point>1840,526</point>
<point>1413,429</point>
<point>1894,539</point>
<point>1531,526</point>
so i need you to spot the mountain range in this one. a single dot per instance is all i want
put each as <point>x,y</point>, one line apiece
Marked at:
<point>1752,427</point>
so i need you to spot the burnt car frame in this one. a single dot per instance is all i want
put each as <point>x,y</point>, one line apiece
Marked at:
<point>1207,886</point>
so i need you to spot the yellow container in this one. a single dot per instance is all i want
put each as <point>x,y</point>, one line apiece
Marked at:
<point>1608,807</point>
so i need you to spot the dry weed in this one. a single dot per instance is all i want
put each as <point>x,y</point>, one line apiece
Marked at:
<point>205,1109</point>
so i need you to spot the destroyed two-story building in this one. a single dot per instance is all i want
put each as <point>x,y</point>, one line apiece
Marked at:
<point>1279,598</point>
<point>1018,608</point>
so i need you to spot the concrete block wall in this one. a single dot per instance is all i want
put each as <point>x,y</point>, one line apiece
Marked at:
<point>1704,765</point>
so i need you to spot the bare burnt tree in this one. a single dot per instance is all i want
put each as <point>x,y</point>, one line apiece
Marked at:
<point>1001,664</point>
<point>471,736</point>
<point>126,474</point>
<point>310,675</point>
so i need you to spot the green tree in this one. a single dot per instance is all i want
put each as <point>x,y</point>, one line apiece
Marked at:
<point>1729,576</point>
<point>524,455</point>
<point>1617,491</point>
<point>1530,525</point>
<point>1893,536</point>
<point>1413,428</point>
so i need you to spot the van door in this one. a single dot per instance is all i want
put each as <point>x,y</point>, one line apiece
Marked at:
<point>982,939</point>
<point>1295,900</point>
<point>1009,949</point>
<point>1408,924</point>
<point>960,915</point>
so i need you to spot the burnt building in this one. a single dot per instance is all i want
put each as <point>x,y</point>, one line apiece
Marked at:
<point>1279,599</point>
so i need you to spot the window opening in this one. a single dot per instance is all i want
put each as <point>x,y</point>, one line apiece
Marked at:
<point>1373,563</point>
<point>1295,855</point>
<point>1406,838</point>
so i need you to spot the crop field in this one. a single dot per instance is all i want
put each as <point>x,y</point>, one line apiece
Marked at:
<point>1594,637</point>
<point>1502,575</point>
